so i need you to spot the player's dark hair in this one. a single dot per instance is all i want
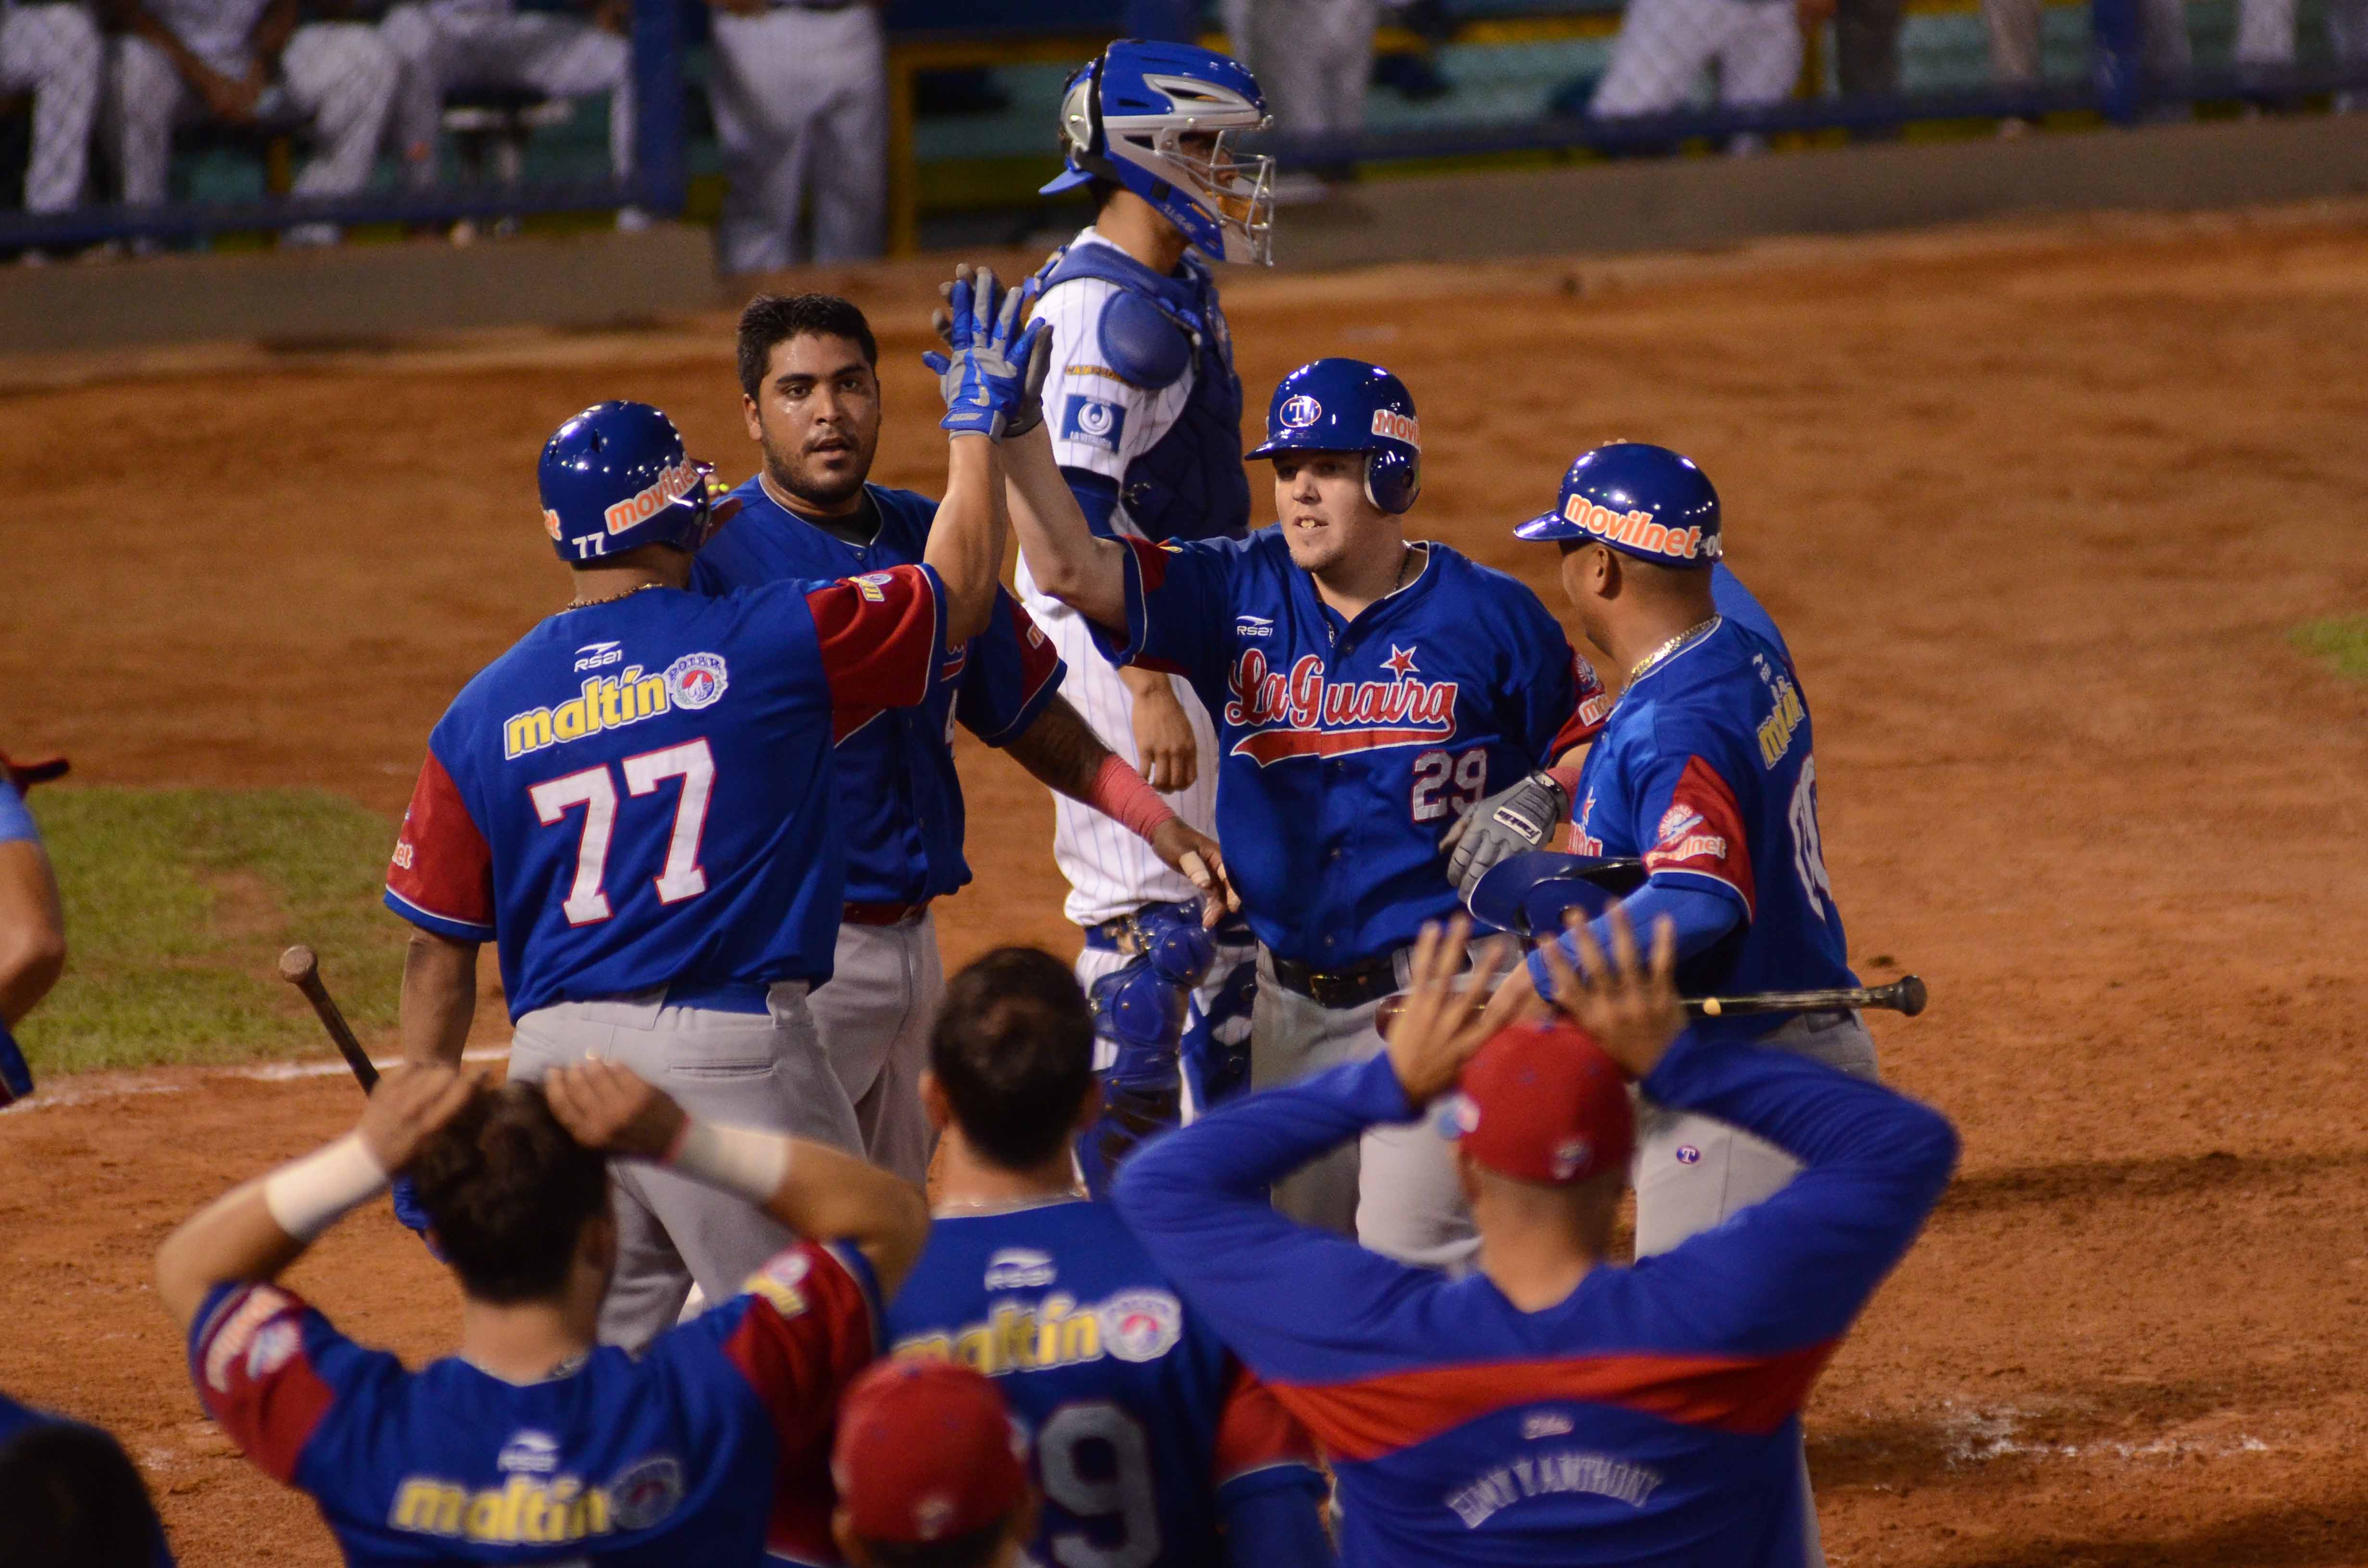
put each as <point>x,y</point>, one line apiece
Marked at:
<point>69,1498</point>
<point>1014,1050</point>
<point>972,1551</point>
<point>508,1191</point>
<point>769,319</point>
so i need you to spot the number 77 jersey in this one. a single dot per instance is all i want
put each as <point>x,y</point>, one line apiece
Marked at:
<point>1705,771</point>
<point>639,794</point>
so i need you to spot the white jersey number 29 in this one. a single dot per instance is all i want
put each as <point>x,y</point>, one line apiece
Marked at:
<point>1808,849</point>
<point>1433,770</point>
<point>682,876</point>
<point>1098,1437</point>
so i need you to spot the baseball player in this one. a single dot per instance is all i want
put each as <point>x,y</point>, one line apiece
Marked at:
<point>638,803</point>
<point>1145,418</point>
<point>32,923</point>
<point>53,52</point>
<point>801,97</point>
<point>440,44</point>
<point>1553,1406</point>
<point>180,60</point>
<point>1148,1440</point>
<point>1664,45</point>
<point>929,1472</point>
<point>809,390</point>
<point>531,1443</point>
<point>1367,689</point>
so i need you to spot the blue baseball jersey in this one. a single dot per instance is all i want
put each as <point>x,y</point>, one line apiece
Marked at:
<point>712,1446</point>
<point>15,821</point>
<point>1140,1425</point>
<point>1648,1419</point>
<point>900,802</point>
<point>1705,770</point>
<point>641,793</point>
<point>1349,747</point>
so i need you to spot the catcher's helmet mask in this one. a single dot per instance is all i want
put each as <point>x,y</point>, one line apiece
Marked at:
<point>1221,202</point>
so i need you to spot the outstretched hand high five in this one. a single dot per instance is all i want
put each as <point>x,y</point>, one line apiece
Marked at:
<point>993,377</point>
<point>1632,1009</point>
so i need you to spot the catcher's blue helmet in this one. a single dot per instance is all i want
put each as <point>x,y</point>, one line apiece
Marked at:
<point>614,478</point>
<point>1124,116</point>
<point>1641,500</point>
<point>1346,405</point>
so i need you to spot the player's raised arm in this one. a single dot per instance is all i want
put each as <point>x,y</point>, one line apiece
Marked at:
<point>991,375</point>
<point>818,1191</point>
<point>1066,558</point>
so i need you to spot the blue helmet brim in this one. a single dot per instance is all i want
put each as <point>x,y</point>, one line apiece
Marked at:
<point>1068,179</point>
<point>1548,526</point>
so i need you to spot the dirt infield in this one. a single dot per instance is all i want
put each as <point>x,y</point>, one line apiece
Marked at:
<point>2037,509</point>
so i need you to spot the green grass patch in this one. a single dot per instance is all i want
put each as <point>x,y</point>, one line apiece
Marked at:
<point>2342,641</point>
<point>177,905</point>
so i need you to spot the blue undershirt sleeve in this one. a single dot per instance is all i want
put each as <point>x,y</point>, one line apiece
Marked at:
<point>1097,497</point>
<point>1702,914</point>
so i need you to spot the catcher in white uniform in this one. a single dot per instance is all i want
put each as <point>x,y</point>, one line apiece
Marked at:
<point>1145,411</point>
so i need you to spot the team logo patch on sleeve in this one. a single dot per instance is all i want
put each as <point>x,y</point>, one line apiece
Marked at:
<point>245,1335</point>
<point>1092,422</point>
<point>778,1282</point>
<point>696,680</point>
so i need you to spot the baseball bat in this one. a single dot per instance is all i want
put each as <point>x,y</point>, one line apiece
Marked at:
<point>1904,995</point>
<point>299,966</point>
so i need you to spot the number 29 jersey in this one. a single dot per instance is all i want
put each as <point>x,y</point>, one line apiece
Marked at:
<point>639,794</point>
<point>1141,1427</point>
<point>1705,771</point>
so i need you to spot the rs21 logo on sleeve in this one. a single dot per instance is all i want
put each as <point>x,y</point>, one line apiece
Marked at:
<point>1092,422</point>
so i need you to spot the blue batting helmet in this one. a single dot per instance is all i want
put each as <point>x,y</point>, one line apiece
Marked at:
<point>1643,500</point>
<point>1346,405</point>
<point>615,478</point>
<point>1124,116</point>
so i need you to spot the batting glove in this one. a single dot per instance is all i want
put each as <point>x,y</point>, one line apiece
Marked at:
<point>992,379</point>
<point>1507,822</point>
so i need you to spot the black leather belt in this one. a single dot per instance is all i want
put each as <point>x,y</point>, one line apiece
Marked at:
<point>1351,987</point>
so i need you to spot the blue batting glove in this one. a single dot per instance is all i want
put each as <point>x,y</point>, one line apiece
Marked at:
<point>993,378</point>
<point>415,1217</point>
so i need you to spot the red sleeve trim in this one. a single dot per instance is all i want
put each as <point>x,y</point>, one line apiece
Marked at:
<point>882,637</point>
<point>1702,833</point>
<point>1589,711</point>
<point>254,1376</point>
<point>442,866</point>
<point>1751,1395</point>
<point>1255,1432</point>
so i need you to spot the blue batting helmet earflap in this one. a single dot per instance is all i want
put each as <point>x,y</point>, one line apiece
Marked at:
<point>1123,117</point>
<point>615,478</point>
<point>1641,500</point>
<point>1347,405</point>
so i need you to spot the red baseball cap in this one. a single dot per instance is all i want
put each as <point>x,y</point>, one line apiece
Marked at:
<point>1542,1102</point>
<point>926,1451</point>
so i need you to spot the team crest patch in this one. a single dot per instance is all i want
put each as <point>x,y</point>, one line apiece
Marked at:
<point>697,680</point>
<point>1092,422</point>
<point>1299,413</point>
<point>1674,823</point>
<point>645,1492</point>
<point>241,1334</point>
<point>1141,1325</point>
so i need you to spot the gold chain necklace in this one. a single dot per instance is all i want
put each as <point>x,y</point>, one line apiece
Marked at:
<point>1700,628</point>
<point>612,598</point>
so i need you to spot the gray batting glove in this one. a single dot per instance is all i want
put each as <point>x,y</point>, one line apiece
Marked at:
<point>1507,822</point>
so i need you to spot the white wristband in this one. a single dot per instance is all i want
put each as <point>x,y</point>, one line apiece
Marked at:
<point>307,1196</point>
<point>746,1159</point>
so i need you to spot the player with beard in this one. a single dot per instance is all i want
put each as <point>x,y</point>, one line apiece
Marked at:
<point>811,396</point>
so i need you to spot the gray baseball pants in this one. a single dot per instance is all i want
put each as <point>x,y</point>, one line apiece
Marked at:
<point>874,1016</point>
<point>736,1069</point>
<point>1394,1188</point>
<point>1692,1171</point>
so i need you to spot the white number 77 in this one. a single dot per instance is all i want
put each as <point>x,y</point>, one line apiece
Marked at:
<point>682,876</point>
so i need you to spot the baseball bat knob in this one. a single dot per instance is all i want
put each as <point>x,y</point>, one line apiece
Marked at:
<point>298,964</point>
<point>1911,994</point>
<point>1711,1007</point>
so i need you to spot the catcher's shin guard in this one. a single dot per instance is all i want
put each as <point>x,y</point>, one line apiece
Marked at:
<point>1142,1013</point>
